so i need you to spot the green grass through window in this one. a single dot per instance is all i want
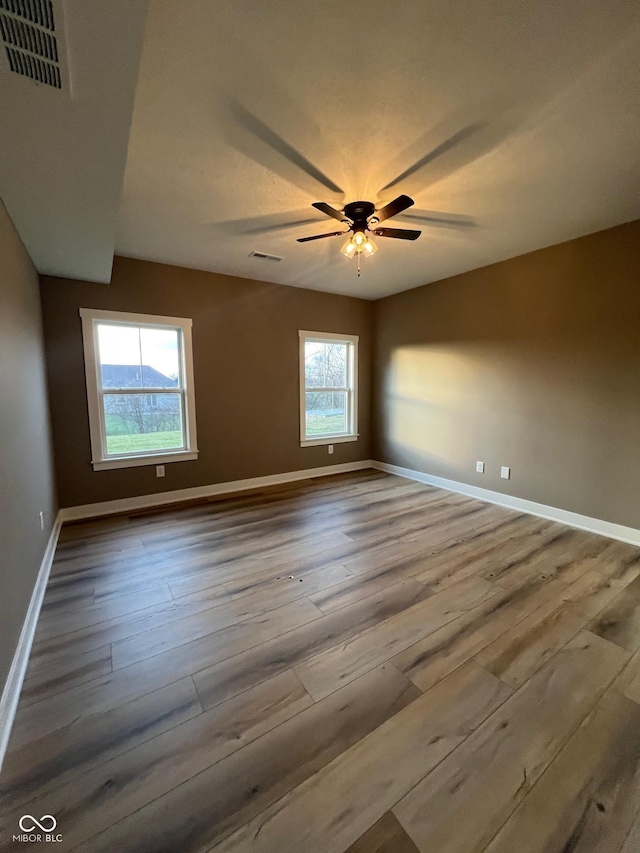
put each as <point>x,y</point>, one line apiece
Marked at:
<point>325,424</point>
<point>144,442</point>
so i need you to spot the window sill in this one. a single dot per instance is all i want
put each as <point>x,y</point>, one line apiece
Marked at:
<point>327,439</point>
<point>136,461</point>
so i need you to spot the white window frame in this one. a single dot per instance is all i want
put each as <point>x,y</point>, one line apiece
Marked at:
<point>351,389</point>
<point>100,459</point>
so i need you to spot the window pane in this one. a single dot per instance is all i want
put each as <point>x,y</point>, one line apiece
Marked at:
<point>138,357</point>
<point>119,354</point>
<point>141,423</point>
<point>160,357</point>
<point>326,413</point>
<point>325,364</point>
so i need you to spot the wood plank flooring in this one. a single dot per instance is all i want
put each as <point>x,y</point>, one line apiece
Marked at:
<point>353,664</point>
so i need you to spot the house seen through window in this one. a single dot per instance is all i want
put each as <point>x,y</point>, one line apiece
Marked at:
<point>139,388</point>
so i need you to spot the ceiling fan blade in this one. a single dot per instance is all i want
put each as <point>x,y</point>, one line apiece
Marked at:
<point>397,233</point>
<point>330,211</point>
<point>320,236</point>
<point>394,207</point>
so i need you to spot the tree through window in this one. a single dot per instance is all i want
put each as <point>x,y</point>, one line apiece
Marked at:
<point>139,387</point>
<point>328,373</point>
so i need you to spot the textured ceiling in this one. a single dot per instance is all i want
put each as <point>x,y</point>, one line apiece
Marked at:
<point>63,153</point>
<point>513,125</point>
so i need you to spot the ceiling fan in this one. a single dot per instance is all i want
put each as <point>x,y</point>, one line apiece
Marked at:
<point>362,218</point>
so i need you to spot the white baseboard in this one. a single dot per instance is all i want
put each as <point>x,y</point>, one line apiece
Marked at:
<point>76,513</point>
<point>13,686</point>
<point>563,516</point>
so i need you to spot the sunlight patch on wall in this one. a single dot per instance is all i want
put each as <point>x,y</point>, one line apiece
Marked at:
<point>426,391</point>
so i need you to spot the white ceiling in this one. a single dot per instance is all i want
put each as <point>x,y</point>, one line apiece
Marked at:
<point>63,153</point>
<point>513,125</point>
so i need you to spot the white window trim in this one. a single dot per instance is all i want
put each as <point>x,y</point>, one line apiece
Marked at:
<point>89,317</point>
<point>340,438</point>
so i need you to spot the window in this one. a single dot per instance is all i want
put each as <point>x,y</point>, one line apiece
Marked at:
<point>139,372</point>
<point>328,388</point>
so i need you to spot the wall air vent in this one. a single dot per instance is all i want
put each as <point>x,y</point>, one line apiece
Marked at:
<point>263,257</point>
<point>27,29</point>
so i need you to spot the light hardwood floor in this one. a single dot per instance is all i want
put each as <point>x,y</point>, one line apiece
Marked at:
<point>356,663</point>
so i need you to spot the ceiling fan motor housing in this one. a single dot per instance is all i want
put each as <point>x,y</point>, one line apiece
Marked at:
<point>359,213</point>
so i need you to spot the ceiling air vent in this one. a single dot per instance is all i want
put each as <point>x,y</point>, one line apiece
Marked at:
<point>27,28</point>
<point>263,257</point>
<point>37,11</point>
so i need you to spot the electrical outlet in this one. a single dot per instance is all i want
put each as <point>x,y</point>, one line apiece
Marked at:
<point>505,473</point>
<point>479,467</point>
<point>41,519</point>
<point>331,448</point>
<point>159,470</point>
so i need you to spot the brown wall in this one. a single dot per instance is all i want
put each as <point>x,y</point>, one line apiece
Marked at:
<point>245,348</point>
<point>532,363</point>
<point>26,469</point>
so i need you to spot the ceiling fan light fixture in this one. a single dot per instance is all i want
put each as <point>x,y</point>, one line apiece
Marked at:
<point>369,247</point>
<point>349,248</point>
<point>358,244</point>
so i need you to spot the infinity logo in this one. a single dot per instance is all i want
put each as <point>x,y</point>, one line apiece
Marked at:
<point>41,824</point>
